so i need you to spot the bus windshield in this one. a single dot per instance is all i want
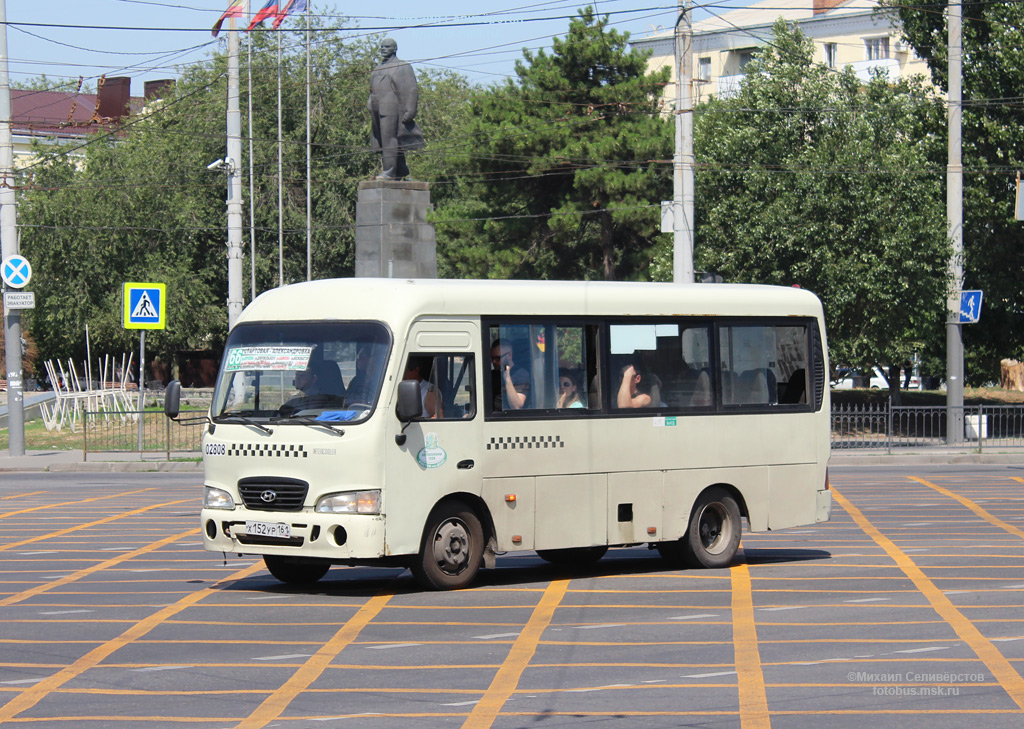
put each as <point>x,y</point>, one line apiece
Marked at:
<point>291,372</point>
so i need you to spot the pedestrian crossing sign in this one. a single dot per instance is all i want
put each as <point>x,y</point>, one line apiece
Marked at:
<point>145,306</point>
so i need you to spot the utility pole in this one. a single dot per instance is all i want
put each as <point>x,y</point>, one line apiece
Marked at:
<point>234,171</point>
<point>955,223</point>
<point>682,167</point>
<point>9,247</point>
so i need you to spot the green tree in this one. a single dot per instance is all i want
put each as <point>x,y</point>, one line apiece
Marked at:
<point>810,177</point>
<point>42,82</point>
<point>560,165</point>
<point>136,203</point>
<point>993,153</point>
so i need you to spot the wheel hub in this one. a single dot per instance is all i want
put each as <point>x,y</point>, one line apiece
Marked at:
<point>711,527</point>
<point>451,545</point>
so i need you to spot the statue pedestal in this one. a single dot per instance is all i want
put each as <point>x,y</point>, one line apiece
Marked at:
<point>393,237</point>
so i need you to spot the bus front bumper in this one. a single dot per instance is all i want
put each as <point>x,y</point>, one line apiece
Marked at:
<point>299,534</point>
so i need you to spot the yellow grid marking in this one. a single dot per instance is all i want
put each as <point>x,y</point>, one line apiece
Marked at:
<point>1002,670</point>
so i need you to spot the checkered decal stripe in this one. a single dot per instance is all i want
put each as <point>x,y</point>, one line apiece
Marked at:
<point>525,441</point>
<point>268,450</point>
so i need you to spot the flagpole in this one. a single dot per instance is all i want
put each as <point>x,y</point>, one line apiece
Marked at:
<point>280,176</point>
<point>234,196</point>
<point>309,179</point>
<point>252,183</point>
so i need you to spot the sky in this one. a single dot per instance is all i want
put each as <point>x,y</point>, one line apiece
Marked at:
<point>150,39</point>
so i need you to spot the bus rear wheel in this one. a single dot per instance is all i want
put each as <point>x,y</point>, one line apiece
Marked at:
<point>295,571</point>
<point>573,556</point>
<point>714,533</point>
<point>453,548</point>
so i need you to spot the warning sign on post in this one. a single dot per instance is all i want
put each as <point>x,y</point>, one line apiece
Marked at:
<point>145,306</point>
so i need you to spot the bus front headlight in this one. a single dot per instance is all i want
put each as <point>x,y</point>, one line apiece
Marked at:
<point>217,499</point>
<point>350,502</point>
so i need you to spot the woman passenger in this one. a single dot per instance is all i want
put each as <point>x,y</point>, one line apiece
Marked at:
<point>569,391</point>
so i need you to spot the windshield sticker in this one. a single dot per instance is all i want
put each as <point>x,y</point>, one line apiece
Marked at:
<point>337,415</point>
<point>267,358</point>
<point>432,455</point>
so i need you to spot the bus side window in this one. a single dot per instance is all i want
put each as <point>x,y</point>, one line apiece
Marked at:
<point>446,385</point>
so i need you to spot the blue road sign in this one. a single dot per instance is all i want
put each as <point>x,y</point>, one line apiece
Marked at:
<point>970,307</point>
<point>16,271</point>
<point>145,306</point>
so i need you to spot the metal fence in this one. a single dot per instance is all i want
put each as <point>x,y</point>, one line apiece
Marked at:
<point>902,427</point>
<point>876,425</point>
<point>149,433</point>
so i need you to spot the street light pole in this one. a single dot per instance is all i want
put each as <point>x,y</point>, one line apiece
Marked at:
<point>955,223</point>
<point>9,247</point>
<point>682,167</point>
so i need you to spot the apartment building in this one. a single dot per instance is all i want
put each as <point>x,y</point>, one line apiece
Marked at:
<point>845,33</point>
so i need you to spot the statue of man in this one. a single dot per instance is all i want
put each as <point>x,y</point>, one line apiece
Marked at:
<point>393,99</point>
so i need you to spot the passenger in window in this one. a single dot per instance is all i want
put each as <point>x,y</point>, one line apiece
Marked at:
<point>360,387</point>
<point>418,369</point>
<point>510,384</point>
<point>634,390</point>
<point>569,395</point>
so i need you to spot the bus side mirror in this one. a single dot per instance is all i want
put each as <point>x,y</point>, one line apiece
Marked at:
<point>410,406</point>
<point>172,399</point>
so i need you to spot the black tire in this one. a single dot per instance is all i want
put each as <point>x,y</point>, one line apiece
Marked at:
<point>573,556</point>
<point>715,528</point>
<point>452,549</point>
<point>295,570</point>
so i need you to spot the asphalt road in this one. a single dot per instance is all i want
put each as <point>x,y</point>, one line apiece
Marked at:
<point>904,611</point>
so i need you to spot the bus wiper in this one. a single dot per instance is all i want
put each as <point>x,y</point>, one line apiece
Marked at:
<point>307,420</point>
<point>244,421</point>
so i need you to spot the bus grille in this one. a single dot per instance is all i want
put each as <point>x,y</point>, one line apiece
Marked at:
<point>273,494</point>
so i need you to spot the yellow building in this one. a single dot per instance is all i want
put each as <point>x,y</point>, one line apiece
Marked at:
<point>845,33</point>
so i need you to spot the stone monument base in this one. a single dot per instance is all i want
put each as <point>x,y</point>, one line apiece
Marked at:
<point>393,237</point>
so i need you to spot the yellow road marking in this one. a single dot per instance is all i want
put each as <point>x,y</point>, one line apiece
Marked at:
<point>993,659</point>
<point>72,503</point>
<point>21,496</point>
<point>750,678</point>
<point>278,701</point>
<point>35,693</point>
<point>507,677</point>
<point>105,520</point>
<point>95,568</point>
<point>995,521</point>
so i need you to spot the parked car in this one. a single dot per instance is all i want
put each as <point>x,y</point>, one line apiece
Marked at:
<point>848,379</point>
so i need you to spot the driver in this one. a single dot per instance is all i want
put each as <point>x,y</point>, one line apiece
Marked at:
<point>320,384</point>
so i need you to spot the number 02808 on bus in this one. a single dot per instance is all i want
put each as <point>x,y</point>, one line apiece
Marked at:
<point>437,424</point>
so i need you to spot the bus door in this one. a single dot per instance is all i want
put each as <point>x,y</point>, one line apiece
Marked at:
<point>440,452</point>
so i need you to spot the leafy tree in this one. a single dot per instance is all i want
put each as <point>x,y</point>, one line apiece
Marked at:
<point>42,82</point>
<point>810,177</point>
<point>993,152</point>
<point>136,203</point>
<point>560,165</point>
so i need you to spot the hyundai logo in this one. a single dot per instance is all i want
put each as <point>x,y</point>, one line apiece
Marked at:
<point>269,496</point>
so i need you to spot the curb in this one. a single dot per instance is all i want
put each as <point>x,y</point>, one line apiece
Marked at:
<point>107,467</point>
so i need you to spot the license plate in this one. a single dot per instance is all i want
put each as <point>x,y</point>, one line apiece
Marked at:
<point>268,529</point>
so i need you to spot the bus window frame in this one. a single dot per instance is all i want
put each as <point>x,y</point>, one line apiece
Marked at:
<point>609,385</point>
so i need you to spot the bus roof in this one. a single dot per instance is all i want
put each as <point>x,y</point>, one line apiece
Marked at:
<point>396,300</point>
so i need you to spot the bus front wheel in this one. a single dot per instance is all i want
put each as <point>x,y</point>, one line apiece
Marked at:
<point>453,548</point>
<point>714,533</point>
<point>295,571</point>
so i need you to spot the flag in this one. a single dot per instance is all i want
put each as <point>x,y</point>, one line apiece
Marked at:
<point>292,6</point>
<point>235,10</point>
<point>271,8</point>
